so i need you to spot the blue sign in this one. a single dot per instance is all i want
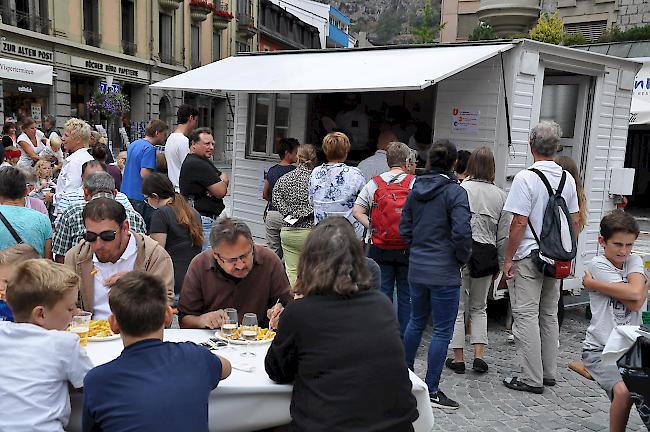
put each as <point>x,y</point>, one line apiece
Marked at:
<point>115,88</point>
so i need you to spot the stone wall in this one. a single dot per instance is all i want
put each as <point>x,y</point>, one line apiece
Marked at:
<point>633,13</point>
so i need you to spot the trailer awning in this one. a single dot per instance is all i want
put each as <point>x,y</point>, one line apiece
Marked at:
<point>640,109</point>
<point>335,71</point>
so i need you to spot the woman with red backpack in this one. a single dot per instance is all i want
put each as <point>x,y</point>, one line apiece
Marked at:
<point>378,208</point>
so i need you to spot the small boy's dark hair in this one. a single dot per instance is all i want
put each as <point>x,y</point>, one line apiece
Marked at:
<point>618,221</point>
<point>138,300</point>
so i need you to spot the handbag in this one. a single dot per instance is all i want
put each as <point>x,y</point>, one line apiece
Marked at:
<point>484,260</point>
<point>11,229</point>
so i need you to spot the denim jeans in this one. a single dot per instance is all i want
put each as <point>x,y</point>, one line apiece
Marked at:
<point>441,302</point>
<point>144,209</point>
<point>206,224</point>
<point>394,274</point>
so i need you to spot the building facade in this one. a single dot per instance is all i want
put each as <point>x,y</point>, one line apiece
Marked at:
<point>129,44</point>
<point>589,17</point>
<point>282,30</point>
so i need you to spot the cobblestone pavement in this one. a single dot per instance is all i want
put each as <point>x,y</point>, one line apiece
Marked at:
<point>574,404</point>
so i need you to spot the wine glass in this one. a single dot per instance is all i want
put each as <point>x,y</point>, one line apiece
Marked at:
<point>229,324</point>
<point>249,332</point>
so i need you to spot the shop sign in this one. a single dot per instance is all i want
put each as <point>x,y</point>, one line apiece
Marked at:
<point>25,89</point>
<point>465,120</point>
<point>27,51</point>
<point>107,68</point>
<point>115,88</point>
<point>25,72</point>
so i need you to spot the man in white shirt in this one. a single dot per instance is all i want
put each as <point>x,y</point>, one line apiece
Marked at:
<point>534,296</point>
<point>76,134</point>
<point>110,249</point>
<point>376,164</point>
<point>178,143</point>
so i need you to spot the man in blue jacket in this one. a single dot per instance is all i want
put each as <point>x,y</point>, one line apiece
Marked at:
<point>436,224</point>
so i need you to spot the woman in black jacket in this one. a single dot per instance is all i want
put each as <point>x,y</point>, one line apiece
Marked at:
<point>436,224</point>
<point>339,344</point>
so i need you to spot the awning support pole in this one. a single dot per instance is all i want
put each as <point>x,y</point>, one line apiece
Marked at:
<point>505,97</point>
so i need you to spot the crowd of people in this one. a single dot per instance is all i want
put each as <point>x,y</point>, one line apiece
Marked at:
<point>131,245</point>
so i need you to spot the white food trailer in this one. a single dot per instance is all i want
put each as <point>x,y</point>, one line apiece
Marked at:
<point>472,93</point>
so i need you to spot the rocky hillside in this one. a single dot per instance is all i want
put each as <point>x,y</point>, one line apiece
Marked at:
<point>386,21</point>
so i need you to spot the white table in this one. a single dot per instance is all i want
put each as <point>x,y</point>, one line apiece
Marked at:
<point>245,401</point>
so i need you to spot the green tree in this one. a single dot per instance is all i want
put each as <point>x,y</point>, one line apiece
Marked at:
<point>428,30</point>
<point>569,39</point>
<point>388,26</point>
<point>483,31</point>
<point>549,29</point>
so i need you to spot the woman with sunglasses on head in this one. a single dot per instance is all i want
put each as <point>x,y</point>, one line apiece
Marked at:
<point>174,225</point>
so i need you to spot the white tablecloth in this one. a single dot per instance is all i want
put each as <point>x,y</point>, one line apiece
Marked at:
<point>244,401</point>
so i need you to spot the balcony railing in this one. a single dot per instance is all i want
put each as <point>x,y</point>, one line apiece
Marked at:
<point>92,38</point>
<point>129,48</point>
<point>25,21</point>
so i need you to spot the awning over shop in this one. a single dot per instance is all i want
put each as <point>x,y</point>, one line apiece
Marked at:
<point>335,71</point>
<point>640,109</point>
<point>25,72</point>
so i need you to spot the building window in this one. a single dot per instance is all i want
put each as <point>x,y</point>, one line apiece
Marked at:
<point>216,46</point>
<point>91,22</point>
<point>269,122</point>
<point>128,27</point>
<point>195,37</point>
<point>165,38</point>
<point>559,104</point>
<point>242,47</point>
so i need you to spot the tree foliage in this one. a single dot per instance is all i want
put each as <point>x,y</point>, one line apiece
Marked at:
<point>429,28</point>
<point>483,31</point>
<point>569,39</point>
<point>549,29</point>
<point>615,34</point>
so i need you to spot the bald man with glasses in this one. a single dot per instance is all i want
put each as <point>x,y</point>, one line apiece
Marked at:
<point>233,273</point>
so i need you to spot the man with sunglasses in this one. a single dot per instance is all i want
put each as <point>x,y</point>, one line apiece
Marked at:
<point>233,273</point>
<point>110,249</point>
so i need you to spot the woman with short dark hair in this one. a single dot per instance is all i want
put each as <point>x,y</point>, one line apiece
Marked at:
<point>339,344</point>
<point>436,224</point>
<point>19,224</point>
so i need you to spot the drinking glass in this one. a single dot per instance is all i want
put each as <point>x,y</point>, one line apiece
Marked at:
<point>249,332</point>
<point>229,325</point>
<point>81,326</point>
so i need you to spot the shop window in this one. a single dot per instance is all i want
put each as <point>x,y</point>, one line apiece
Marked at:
<point>216,46</point>
<point>165,38</point>
<point>128,27</point>
<point>242,47</point>
<point>269,121</point>
<point>91,22</point>
<point>195,37</point>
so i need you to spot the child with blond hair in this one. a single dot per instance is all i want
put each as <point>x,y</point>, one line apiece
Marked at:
<point>9,259</point>
<point>38,357</point>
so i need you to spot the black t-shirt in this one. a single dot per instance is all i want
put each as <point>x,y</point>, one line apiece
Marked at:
<point>197,173</point>
<point>344,356</point>
<point>272,176</point>
<point>178,244</point>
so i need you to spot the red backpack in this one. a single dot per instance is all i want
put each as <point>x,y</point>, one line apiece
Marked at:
<point>388,201</point>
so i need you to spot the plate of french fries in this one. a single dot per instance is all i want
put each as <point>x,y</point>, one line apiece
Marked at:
<point>264,335</point>
<point>100,331</point>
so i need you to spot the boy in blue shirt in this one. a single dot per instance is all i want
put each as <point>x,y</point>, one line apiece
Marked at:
<point>153,385</point>
<point>617,294</point>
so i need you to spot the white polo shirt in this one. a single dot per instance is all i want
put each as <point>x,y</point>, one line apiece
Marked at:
<point>35,368</point>
<point>528,197</point>
<point>176,149</point>
<point>70,176</point>
<point>126,263</point>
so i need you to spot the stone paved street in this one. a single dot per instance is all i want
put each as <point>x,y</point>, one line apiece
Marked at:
<point>574,404</point>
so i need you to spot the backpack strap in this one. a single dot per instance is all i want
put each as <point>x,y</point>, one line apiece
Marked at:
<point>379,181</point>
<point>11,229</point>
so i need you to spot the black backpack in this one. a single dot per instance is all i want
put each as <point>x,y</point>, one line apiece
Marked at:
<point>557,243</point>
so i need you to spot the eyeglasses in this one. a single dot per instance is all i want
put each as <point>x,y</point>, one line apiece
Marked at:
<point>107,236</point>
<point>233,261</point>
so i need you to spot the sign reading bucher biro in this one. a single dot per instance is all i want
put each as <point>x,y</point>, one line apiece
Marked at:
<point>105,68</point>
